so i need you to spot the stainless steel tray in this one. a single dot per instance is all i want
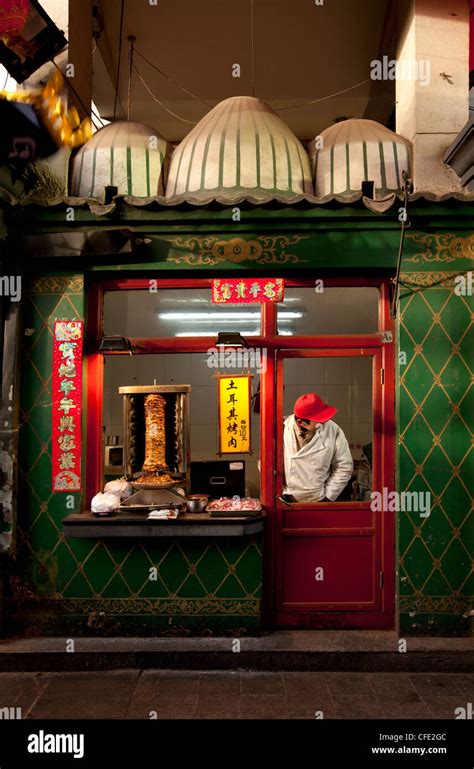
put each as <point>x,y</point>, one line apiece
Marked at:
<point>153,499</point>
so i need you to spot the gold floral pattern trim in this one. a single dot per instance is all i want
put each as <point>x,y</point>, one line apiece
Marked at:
<point>58,285</point>
<point>429,279</point>
<point>435,605</point>
<point>441,247</point>
<point>202,251</point>
<point>237,607</point>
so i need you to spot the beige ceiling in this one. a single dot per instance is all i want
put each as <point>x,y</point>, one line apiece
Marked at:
<point>301,51</point>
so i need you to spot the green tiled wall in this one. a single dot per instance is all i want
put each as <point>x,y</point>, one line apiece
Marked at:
<point>87,586</point>
<point>435,413</point>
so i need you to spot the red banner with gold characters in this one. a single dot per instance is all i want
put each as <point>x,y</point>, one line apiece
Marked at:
<point>247,290</point>
<point>67,405</point>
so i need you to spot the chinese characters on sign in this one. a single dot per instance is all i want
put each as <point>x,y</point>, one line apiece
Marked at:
<point>234,414</point>
<point>67,405</point>
<point>247,290</point>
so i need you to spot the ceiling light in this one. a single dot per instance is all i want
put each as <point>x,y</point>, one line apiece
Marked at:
<point>213,316</point>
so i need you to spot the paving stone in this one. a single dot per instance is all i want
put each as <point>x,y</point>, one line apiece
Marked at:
<point>170,682</point>
<point>401,710</point>
<point>21,690</point>
<point>264,706</point>
<point>175,693</point>
<point>87,695</point>
<point>262,683</point>
<point>349,683</point>
<point>445,707</point>
<point>435,684</point>
<point>165,708</point>
<point>219,683</point>
<point>357,706</point>
<point>218,706</point>
<point>307,710</point>
<point>465,684</point>
<point>395,687</point>
<point>306,682</point>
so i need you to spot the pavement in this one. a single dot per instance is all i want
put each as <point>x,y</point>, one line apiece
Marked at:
<point>311,651</point>
<point>173,694</point>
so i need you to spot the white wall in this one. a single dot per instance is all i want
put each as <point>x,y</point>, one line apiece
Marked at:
<point>345,383</point>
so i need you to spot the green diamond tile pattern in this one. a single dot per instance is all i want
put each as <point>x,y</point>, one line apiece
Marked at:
<point>89,573</point>
<point>436,410</point>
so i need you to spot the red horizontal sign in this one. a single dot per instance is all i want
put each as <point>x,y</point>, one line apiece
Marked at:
<point>247,290</point>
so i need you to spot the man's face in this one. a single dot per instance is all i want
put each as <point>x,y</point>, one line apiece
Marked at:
<point>306,427</point>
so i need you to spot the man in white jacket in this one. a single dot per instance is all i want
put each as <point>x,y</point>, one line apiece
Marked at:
<point>317,458</point>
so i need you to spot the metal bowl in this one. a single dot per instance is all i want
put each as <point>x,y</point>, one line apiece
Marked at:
<point>197,503</point>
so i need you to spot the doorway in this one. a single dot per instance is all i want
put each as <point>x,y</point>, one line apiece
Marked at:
<point>332,564</point>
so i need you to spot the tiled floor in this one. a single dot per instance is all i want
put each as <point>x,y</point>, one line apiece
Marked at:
<point>193,695</point>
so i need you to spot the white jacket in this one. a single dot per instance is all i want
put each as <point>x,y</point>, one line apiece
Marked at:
<point>320,469</point>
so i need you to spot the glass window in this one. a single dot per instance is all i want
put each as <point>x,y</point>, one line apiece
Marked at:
<point>175,312</point>
<point>345,383</point>
<point>309,311</point>
<point>178,369</point>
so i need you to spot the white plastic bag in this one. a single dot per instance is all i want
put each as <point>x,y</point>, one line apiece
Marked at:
<point>120,487</point>
<point>105,503</point>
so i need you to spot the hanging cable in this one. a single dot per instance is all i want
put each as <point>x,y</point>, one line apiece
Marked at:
<point>119,57</point>
<point>170,112</point>
<point>252,47</point>
<point>407,189</point>
<point>170,80</point>
<point>323,98</point>
<point>90,112</point>
<point>130,73</point>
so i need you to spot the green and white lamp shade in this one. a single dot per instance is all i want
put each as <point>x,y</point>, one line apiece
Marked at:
<point>240,149</point>
<point>130,156</point>
<point>357,150</point>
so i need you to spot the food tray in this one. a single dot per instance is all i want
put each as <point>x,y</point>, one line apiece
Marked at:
<point>153,499</point>
<point>234,513</point>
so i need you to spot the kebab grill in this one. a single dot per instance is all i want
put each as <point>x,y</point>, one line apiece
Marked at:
<point>156,436</point>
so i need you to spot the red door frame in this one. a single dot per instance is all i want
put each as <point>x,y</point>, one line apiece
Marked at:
<point>269,340</point>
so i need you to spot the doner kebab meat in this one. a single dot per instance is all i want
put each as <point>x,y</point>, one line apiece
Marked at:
<point>155,467</point>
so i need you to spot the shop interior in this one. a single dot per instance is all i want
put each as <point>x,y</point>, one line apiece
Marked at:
<point>344,382</point>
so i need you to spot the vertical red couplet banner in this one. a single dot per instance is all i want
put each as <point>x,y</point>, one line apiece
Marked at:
<point>67,405</point>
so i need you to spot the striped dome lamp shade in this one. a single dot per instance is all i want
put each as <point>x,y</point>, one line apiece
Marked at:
<point>357,150</point>
<point>240,150</point>
<point>130,156</point>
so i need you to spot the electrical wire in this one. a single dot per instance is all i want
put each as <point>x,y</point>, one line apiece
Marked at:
<point>92,114</point>
<point>89,112</point>
<point>119,57</point>
<point>252,46</point>
<point>170,80</point>
<point>170,112</point>
<point>323,98</point>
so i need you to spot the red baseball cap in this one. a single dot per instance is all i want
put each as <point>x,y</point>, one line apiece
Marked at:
<point>311,406</point>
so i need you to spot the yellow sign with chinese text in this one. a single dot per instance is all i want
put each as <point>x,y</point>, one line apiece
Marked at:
<point>234,414</point>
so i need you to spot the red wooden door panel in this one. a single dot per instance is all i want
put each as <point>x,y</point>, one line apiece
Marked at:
<point>330,557</point>
<point>329,573</point>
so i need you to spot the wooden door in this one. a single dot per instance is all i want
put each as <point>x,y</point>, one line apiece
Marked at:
<point>334,562</point>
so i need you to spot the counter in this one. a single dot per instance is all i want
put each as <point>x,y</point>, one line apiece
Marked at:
<point>136,525</point>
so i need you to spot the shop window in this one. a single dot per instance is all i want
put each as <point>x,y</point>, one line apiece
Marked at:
<point>345,383</point>
<point>177,369</point>
<point>175,313</point>
<point>321,309</point>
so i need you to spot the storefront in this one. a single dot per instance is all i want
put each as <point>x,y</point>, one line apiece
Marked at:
<point>141,270</point>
